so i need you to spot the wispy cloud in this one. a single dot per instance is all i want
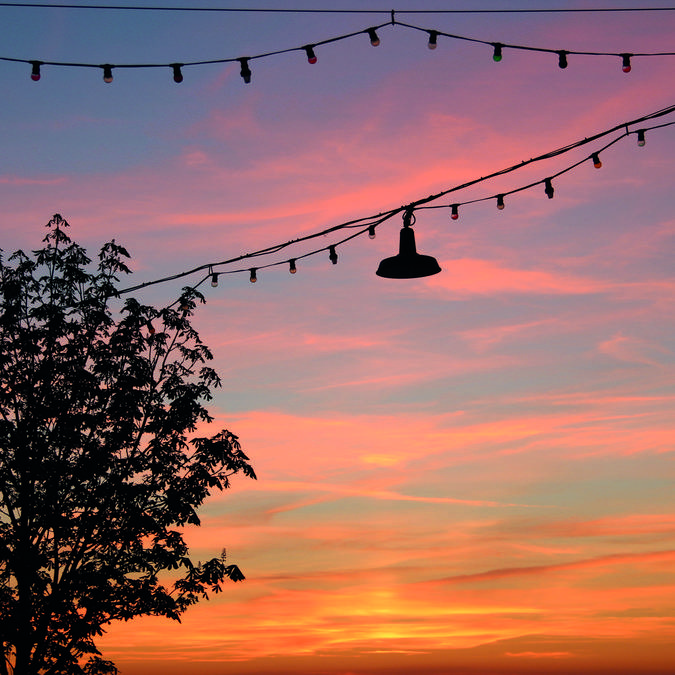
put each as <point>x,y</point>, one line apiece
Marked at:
<point>485,277</point>
<point>537,570</point>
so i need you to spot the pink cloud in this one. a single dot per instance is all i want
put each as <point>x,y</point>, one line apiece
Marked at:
<point>633,350</point>
<point>483,339</point>
<point>399,448</point>
<point>483,277</point>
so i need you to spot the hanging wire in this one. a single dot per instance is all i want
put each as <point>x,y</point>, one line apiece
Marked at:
<point>263,55</point>
<point>550,155</point>
<point>592,157</point>
<point>245,60</point>
<point>368,224</point>
<point>372,221</point>
<point>503,45</point>
<point>558,10</point>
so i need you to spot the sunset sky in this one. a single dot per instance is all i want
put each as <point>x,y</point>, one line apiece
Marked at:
<point>467,473</point>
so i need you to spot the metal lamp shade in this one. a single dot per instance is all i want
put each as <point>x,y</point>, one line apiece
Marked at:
<point>408,264</point>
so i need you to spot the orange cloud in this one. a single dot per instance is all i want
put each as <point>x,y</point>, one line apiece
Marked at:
<point>537,570</point>
<point>624,526</point>
<point>538,655</point>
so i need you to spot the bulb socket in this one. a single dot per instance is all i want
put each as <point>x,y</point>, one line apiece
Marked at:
<point>35,72</point>
<point>311,56</point>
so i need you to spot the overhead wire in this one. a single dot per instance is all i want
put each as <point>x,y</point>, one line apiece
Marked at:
<point>549,155</point>
<point>176,65</point>
<point>262,55</point>
<point>269,10</point>
<point>275,248</point>
<point>367,224</point>
<point>507,45</point>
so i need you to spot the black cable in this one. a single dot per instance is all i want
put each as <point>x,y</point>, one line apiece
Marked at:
<point>540,182</point>
<point>36,63</point>
<point>548,155</point>
<point>42,5</point>
<point>365,224</point>
<point>195,63</point>
<point>362,231</point>
<point>275,248</point>
<point>506,45</point>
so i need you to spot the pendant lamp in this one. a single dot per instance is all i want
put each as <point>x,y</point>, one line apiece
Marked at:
<point>408,264</point>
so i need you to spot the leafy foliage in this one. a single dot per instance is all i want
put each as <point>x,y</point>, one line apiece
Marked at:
<point>97,474</point>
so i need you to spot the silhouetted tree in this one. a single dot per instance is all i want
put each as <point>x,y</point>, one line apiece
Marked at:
<point>97,474</point>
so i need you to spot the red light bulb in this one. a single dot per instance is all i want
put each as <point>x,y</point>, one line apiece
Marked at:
<point>311,56</point>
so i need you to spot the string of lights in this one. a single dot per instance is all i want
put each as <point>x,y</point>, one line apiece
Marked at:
<point>309,49</point>
<point>551,10</point>
<point>367,225</point>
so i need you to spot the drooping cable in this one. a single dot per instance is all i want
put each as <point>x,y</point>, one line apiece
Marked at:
<point>556,153</point>
<point>367,225</point>
<point>594,157</point>
<point>310,51</point>
<point>562,54</point>
<point>552,10</point>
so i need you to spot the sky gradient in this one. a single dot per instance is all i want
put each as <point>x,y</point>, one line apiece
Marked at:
<point>468,473</point>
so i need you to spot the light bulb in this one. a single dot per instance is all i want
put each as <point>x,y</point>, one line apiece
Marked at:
<point>548,188</point>
<point>311,56</point>
<point>596,160</point>
<point>245,71</point>
<point>332,254</point>
<point>371,231</point>
<point>562,59</point>
<point>641,137</point>
<point>253,277</point>
<point>35,72</point>
<point>497,55</point>
<point>177,74</point>
<point>291,266</point>
<point>214,279</point>
<point>625,65</point>
<point>107,73</point>
<point>433,39</point>
<point>454,213</point>
<point>500,202</point>
<point>374,40</point>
